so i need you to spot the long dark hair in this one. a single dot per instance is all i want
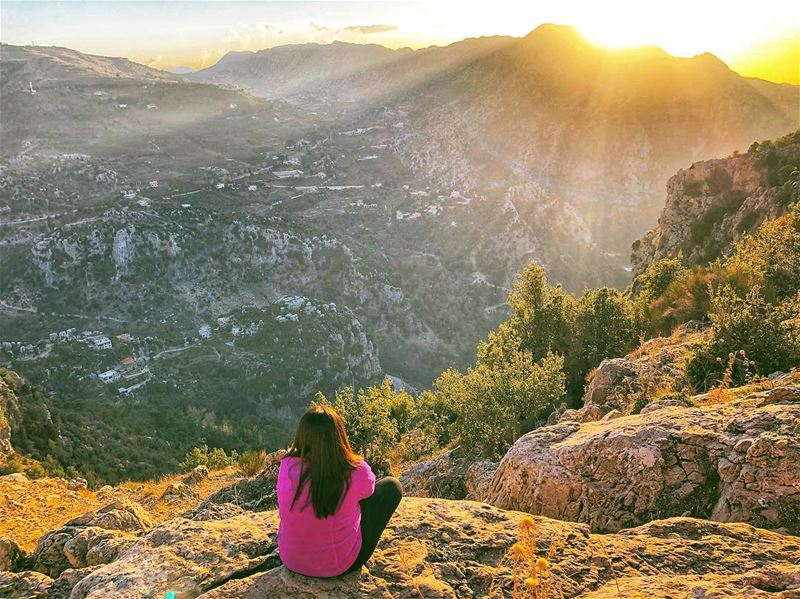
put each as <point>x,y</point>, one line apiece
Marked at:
<point>327,458</point>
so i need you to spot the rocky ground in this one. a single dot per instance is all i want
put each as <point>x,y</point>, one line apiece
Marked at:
<point>432,548</point>
<point>30,508</point>
<point>677,496</point>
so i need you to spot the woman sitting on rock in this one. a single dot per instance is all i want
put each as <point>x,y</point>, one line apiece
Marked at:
<point>332,512</point>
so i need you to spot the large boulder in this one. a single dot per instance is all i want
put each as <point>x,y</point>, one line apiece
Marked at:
<point>197,475</point>
<point>93,538</point>
<point>452,475</point>
<point>120,514</point>
<point>78,547</point>
<point>10,554</point>
<point>24,585</point>
<point>256,494</point>
<point>185,556</point>
<point>441,548</point>
<point>738,461</point>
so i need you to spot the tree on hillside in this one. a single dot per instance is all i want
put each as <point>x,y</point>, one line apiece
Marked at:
<point>493,402</point>
<point>375,418</point>
<point>606,325</point>
<point>542,315</point>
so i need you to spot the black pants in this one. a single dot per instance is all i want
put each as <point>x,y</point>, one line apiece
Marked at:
<point>376,510</point>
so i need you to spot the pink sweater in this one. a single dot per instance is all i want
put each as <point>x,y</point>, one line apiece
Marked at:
<point>319,547</point>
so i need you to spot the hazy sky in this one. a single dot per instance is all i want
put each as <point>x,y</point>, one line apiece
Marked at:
<point>755,38</point>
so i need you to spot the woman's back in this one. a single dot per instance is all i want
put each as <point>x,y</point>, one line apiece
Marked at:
<point>319,546</point>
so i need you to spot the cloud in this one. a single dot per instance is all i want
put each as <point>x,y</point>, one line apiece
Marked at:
<point>367,29</point>
<point>269,28</point>
<point>319,28</point>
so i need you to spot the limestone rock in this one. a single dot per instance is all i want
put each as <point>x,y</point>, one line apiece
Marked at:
<point>10,553</point>
<point>177,490</point>
<point>90,539</point>
<point>452,475</point>
<point>738,461</point>
<point>185,556</point>
<point>436,548</point>
<point>24,585</point>
<point>625,384</point>
<point>709,206</point>
<point>608,377</point>
<point>214,511</point>
<point>120,514</point>
<point>252,494</point>
<point>61,588</point>
<point>95,546</point>
<point>478,477</point>
<point>198,475</point>
<point>48,557</point>
<point>78,547</point>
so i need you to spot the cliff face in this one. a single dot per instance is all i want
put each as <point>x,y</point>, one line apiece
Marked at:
<point>9,410</point>
<point>713,203</point>
<point>26,424</point>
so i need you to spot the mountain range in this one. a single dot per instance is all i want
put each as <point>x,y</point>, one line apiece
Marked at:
<point>312,216</point>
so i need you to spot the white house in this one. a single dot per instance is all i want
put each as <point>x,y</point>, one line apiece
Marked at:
<point>154,183</point>
<point>122,105</point>
<point>205,331</point>
<point>101,343</point>
<point>287,174</point>
<point>251,188</point>
<point>109,376</point>
<point>219,185</point>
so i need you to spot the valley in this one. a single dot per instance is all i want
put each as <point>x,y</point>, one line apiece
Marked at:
<point>255,244</point>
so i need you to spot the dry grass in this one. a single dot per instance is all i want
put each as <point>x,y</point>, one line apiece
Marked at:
<point>721,393</point>
<point>252,462</point>
<point>32,508</point>
<point>531,576</point>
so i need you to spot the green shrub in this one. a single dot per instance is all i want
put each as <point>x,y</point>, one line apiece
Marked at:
<point>655,280</point>
<point>371,427</point>
<point>197,456</point>
<point>761,337</point>
<point>53,467</point>
<point>494,402</point>
<point>689,297</point>
<point>34,469</point>
<point>606,325</point>
<point>772,253</point>
<point>216,459</point>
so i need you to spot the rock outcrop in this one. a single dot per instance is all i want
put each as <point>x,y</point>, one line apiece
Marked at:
<point>452,475</point>
<point>255,494</point>
<point>713,203</point>
<point>94,538</point>
<point>626,385</point>
<point>439,548</point>
<point>9,410</point>
<point>736,461</point>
